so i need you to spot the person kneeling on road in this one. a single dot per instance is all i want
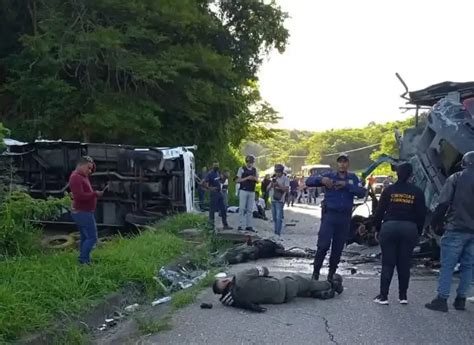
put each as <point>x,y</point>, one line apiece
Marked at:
<point>250,288</point>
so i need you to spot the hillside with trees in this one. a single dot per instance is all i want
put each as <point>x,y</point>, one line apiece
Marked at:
<point>296,148</point>
<point>160,72</point>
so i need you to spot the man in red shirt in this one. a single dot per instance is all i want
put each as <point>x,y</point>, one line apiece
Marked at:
<point>84,205</point>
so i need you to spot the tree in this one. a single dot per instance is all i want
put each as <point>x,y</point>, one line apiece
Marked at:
<point>159,72</point>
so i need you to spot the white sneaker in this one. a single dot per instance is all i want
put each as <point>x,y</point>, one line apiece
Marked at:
<point>403,301</point>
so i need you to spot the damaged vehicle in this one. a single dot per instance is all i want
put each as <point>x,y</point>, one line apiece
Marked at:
<point>144,183</point>
<point>434,147</point>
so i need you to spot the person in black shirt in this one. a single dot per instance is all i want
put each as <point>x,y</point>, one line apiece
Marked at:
<point>399,219</point>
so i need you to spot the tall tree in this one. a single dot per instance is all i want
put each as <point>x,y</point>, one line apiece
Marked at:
<point>160,72</point>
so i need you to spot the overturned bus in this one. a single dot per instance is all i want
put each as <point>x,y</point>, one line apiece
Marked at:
<point>144,183</point>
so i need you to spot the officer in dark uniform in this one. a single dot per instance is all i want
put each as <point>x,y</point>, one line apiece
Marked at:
<point>212,182</point>
<point>336,210</point>
<point>250,288</point>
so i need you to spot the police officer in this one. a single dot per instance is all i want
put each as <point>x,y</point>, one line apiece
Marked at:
<point>250,288</point>
<point>457,244</point>
<point>212,182</point>
<point>341,187</point>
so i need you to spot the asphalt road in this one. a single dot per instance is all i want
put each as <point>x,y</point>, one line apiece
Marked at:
<point>351,318</point>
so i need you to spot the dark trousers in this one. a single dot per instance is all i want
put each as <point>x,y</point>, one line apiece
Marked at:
<point>333,233</point>
<point>300,286</point>
<point>202,196</point>
<point>217,205</point>
<point>87,226</point>
<point>397,240</point>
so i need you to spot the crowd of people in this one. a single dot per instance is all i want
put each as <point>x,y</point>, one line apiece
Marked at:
<point>399,220</point>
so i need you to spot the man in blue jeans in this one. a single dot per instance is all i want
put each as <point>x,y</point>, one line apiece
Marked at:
<point>455,204</point>
<point>84,202</point>
<point>278,188</point>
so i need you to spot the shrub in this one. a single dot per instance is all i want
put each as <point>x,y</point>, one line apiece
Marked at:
<point>19,235</point>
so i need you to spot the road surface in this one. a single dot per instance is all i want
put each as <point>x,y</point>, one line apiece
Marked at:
<point>351,318</point>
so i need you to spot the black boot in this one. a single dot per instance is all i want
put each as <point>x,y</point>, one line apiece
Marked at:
<point>459,303</point>
<point>438,304</point>
<point>336,284</point>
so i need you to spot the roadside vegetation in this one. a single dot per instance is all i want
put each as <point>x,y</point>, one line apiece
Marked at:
<point>37,290</point>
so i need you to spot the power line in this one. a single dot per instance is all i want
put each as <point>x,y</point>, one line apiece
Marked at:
<point>354,150</point>
<point>330,154</point>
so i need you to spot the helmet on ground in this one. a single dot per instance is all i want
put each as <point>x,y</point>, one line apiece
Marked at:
<point>468,160</point>
<point>279,168</point>
<point>250,159</point>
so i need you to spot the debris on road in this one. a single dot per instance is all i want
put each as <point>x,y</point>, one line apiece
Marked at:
<point>206,305</point>
<point>132,308</point>
<point>180,276</point>
<point>161,301</point>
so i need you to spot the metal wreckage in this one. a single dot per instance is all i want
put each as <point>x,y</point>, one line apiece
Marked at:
<point>434,147</point>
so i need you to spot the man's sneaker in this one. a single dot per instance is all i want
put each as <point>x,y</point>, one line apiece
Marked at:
<point>459,303</point>
<point>249,228</point>
<point>226,227</point>
<point>402,298</point>
<point>381,300</point>
<point>438,304</point>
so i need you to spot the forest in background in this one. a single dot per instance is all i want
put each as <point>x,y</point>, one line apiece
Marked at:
<point>296,148</point>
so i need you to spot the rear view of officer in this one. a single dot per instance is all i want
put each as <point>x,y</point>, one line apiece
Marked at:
<point>341,187</point>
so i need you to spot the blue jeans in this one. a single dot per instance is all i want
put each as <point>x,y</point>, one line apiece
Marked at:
<point>456,247</point>
<point>85,221</point>
<point>217,205</point>
<point>277,214</point>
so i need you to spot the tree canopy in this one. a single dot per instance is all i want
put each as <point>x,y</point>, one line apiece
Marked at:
<point>296,148</point>
<point>157,72</point>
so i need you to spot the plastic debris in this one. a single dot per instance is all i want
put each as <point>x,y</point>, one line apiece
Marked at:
<point>179,277</point>
<point>161,301</point>
<point>131,308</point>
<point>470,299</point>
<point>353,270</point>
<point>221,275</point>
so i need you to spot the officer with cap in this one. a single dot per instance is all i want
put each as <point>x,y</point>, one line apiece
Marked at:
<point>336,210</point>
<point>455,206</point>
<point>252,287</point>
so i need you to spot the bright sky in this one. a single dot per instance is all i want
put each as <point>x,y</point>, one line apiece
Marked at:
<point>339,67</point>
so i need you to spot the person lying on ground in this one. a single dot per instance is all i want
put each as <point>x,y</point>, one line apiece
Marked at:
<point>252,287</point>
<point>259,208</point>
<point>259,249</point>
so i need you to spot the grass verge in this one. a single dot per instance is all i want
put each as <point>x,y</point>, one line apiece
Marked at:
<point>35,291</point>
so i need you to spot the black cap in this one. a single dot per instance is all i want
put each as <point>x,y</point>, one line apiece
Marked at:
<point>279,168</point>
<point>342,156</point>
<point>404,171</point>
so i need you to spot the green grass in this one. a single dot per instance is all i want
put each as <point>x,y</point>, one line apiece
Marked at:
<point>150,326</point>
<point>72,336</point>
<point>35,291</point>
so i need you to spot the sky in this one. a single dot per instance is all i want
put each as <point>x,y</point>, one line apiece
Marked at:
<point>338,70</point>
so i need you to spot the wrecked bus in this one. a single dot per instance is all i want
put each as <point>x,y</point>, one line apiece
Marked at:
<point>144,183</point>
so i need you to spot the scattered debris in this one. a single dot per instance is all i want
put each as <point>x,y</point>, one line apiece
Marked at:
<point>206,305</point>
<point>353,270</point>
<point>470,299</point>
<point>132,308</point>
<point>111,321</point>
<point>180,276</point>
<point>290,224</point>
<point>161,301</point>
